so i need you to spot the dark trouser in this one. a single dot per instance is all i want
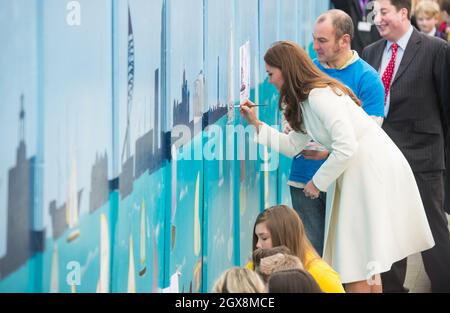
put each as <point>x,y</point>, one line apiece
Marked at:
<point>447,175</point>
<point>312,214</point>
<point>437,259</point>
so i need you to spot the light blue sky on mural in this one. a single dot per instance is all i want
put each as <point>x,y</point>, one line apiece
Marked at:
<point>146,22</point>
<point>77,98</point>
<point>185,50</point>
<point>18,68</point>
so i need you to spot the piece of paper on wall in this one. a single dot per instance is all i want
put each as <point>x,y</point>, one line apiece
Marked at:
<point>244,71</point>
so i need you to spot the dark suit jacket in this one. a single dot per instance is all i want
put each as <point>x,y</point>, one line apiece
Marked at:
<point>417,118</point>
<point>446,97</point>
<point>360,39</point>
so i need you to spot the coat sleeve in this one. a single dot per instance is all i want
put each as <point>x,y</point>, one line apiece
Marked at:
<point>289,145</point>
<point>441,74</point>
<point>332,111</point>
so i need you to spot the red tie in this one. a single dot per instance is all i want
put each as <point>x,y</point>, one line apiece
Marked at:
<point>389,72</point>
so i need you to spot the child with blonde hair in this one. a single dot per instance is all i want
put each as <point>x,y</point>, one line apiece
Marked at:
<point>427,17</point>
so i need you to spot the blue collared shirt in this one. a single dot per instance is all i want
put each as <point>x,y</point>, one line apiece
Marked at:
<point>387,53</point>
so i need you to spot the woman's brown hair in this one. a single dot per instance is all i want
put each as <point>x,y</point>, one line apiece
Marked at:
<point>286,228</point>
<point>300,76</point>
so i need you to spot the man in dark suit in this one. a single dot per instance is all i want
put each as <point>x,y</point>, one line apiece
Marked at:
<point>365,33</point>
<point>411,65</point>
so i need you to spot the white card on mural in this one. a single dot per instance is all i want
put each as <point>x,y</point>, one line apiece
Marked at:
<point>174,284</point>
<point>244,71</point>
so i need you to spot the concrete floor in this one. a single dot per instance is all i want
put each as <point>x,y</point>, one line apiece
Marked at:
<point>416,279</point>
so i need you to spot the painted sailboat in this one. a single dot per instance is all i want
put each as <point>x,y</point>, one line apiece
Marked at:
<point>197,237</point>
<point>266,177</point>
<point>198,102</point>
<point>155,260</point>
<point>231,214</point>
<point>142,240</point>
<point>221,158</point>
<point>131,270</point>
<point>54,275</point>
<point>72,208</point>
<point>103,282</point>
<point>198,276</point>
<point>174,195</point>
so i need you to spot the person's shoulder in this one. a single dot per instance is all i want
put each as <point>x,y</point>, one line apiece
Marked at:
<point>374,45</point>
<point>320,98</point>
<point>319,92</point>
<point>434,47</point>
<point>365,70</point>
<point>432,41</point>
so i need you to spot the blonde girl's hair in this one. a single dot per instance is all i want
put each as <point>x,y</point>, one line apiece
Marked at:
<point>239,280</point>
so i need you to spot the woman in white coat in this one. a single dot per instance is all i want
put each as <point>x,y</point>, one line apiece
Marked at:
<point>374,214</point>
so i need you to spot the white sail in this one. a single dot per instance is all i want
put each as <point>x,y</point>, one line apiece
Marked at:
<point>142,239</point>
<point>174,183</point>
<point>72,203</point>
<point>266,177</point>
<point>197,237</point>
<point>103,286</point>
<point>221,158</point>
<point>54,278</point>
<point>230,216</point>
<point>174,196</point>
<point>72,197</point>
<point>131,270</point>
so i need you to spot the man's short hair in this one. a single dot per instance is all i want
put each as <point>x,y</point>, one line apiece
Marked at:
<point>341,21</point>
<point>402,4</point>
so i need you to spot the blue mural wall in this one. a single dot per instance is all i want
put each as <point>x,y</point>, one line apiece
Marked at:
<point>125,166</point>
